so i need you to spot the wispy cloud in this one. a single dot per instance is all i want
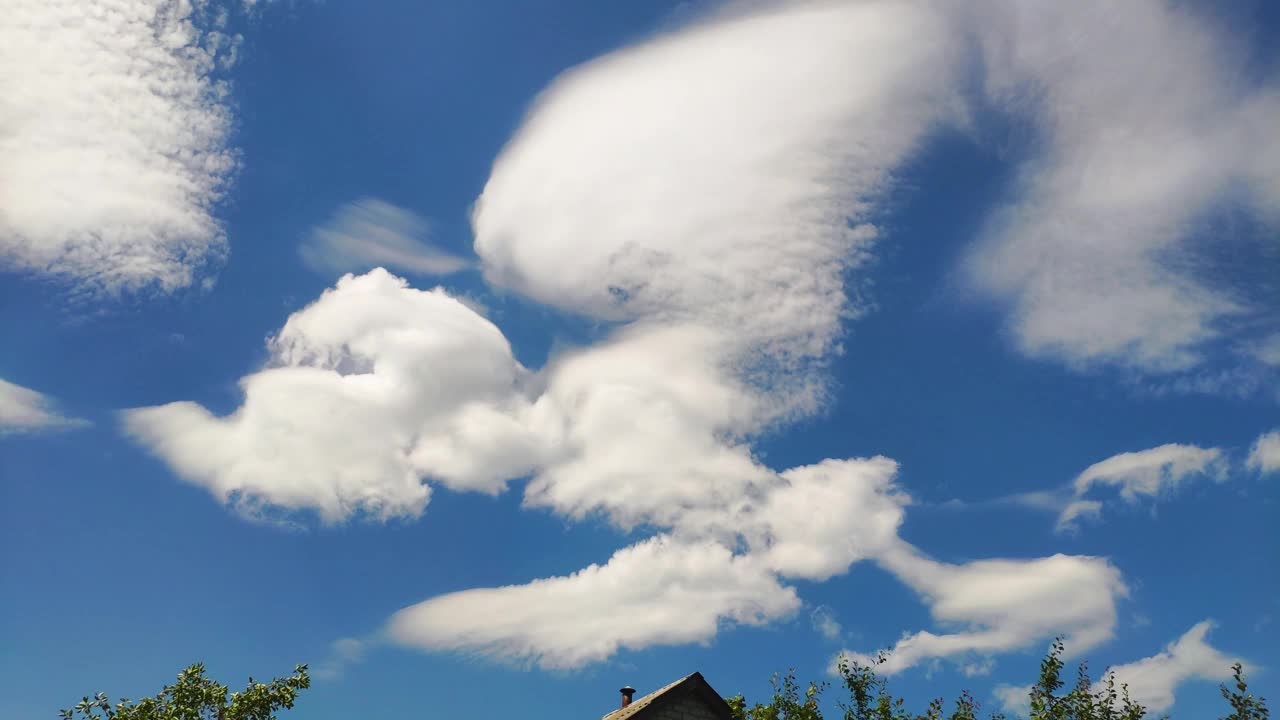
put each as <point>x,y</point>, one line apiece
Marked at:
<point>1003,605</point>
<point>343,653</point>
<point>25,410</point>
<point>823,620</point>
<point>1146,125</point>
<point>1014,699</point>
<point>1147,473</point>
<point>1153,680</point>
<point>115,143</point>
<point>371,233</point>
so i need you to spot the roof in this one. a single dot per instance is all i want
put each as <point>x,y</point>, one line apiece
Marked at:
<point>690,685</point>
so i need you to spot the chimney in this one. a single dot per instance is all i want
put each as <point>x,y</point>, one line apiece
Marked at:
<point>627,691</point>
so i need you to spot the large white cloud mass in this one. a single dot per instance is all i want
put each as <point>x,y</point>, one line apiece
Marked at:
<point>114,141</point>
<point>705,195</point>
<point>724,175</point>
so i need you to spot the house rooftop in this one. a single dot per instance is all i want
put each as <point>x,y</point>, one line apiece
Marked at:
<point>693,685</point>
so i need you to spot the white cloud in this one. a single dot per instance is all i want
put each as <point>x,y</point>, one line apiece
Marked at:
<point>1153,680</point>
<point>1014,699</point>
<point>717,224</point>
<point>1146,124</point>
<point>826,517</point>
<point>1151,473</point>
<point>1147,473</point>
<point>114,142</point>
<point>695,178</point>
<point>716,565</point>
<point>1003,604</point>
<point>23,410</point>
<point>343,653</point>
<point>361,387</point>
<point>823,619</point>
<point>710,199</point>
<point>1264,456</point>
<point>371,233</point>
<point>377,388</point>
<point>657,592</point>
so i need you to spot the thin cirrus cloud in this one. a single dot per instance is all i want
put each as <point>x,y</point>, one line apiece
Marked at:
<point>709,200</point>
<point>26,410</point>
<point>1152,681</point>
<point>115,143</point>
<point>369,233</point>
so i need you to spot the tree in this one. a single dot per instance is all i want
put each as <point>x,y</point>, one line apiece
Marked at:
<point>1243,705</point>
<point>870,699</point>
<point>196,697</point>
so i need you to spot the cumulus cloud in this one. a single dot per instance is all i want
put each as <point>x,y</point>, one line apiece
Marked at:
<point>706,201</point>
<point>363,389</point>
<point>24,410</point>
<point>1146,124</point>
<point>1003,604</point>
<point>716,227</point>
<point>1264,456</point>
<point>115,141</point>
<point>371,233</point>
<point>715,566</point>
<point>1147,473</point>
<point>1153,680</point>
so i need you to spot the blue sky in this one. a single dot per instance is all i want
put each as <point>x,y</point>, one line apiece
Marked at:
<point>709,337</point>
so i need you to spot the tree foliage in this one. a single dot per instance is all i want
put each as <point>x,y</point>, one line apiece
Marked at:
<point>196,697</point>
<point>869,698</point>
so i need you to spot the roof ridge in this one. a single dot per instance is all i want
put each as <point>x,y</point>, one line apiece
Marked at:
<point>643,702</point>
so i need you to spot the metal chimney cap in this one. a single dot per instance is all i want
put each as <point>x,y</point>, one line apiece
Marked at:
<point>627,690</point>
